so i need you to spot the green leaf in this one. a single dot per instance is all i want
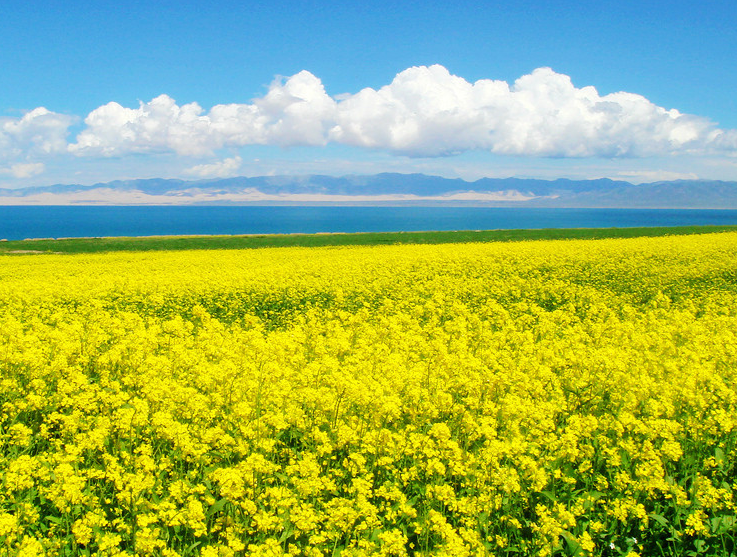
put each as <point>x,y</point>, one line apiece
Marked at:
<point>550,495</point>
<point>660,519</point>
<point>722,524</point>
<point>286,533</point>
<point>573,546</point>
<point>217,506</point>
<point>192,547</point>
<point>595,494</point>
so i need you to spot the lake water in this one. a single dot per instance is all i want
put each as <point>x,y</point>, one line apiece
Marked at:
<point>17,223</point>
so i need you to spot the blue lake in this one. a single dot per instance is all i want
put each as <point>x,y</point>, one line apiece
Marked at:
<point>19,222</point>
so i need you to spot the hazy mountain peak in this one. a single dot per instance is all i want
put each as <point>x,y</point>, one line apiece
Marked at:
<point>386,188</point>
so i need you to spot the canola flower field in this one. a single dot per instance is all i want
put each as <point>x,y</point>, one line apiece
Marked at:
<point>537,398</point>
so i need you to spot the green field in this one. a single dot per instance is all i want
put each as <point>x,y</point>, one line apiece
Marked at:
<point>153,243</point>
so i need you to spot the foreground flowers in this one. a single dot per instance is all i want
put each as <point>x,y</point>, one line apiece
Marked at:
<point>542,398</point>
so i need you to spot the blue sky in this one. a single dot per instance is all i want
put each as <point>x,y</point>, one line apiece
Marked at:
<point>536,89</point>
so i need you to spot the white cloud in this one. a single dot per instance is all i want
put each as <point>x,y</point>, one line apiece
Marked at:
<point>157,126</point>
<point>423,112</point>
<point>724,141</point>
<point>38,132</point>
<point>296,111</point>
<point>24,170</point>
<point>639,176</point>
<point>221,169</point>
<point>426,111</point>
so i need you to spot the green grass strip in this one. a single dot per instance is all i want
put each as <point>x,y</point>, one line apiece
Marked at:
<point>154,243</point>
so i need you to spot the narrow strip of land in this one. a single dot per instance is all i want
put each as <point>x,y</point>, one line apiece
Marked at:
<point>149,243</point>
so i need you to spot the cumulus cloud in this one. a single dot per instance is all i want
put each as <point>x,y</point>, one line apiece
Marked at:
<point>423,112</point>
<point>221,169</point>
<point>426,111</point>
<point>39,132</point>
<point>159,125</point>
<point>295,111</point>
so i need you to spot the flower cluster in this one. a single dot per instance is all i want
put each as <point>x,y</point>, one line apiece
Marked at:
<point>539,398</point>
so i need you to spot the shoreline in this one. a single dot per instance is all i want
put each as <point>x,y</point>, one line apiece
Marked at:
<point>100,244</point>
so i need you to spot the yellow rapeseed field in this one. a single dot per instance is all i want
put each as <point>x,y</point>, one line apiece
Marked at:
<point>536,398</point>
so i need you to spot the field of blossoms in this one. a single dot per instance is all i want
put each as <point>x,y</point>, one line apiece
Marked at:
<point>540,398</point>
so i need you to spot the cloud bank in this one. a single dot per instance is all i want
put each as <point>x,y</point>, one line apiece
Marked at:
<point>111,196</point>
<point>423,112</point>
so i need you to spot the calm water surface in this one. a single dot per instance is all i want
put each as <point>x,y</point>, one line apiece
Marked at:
<point>17,223</point>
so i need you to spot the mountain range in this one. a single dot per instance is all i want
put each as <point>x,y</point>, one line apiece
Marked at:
<point>386,189</point>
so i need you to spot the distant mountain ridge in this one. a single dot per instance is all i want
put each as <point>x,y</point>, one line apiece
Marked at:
<point>387,188</point>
